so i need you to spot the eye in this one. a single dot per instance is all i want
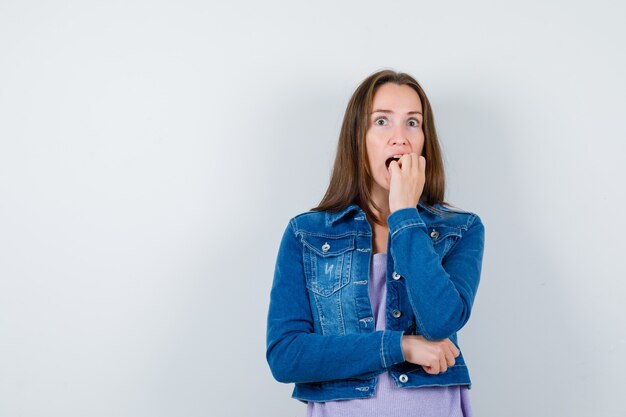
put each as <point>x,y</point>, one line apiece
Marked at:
<point>414,122</point>
<point>381,119</point>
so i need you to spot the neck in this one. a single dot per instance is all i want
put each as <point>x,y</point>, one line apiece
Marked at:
<point>380,196</point>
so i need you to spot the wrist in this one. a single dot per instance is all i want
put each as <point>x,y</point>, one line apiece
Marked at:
<point>393,209</point>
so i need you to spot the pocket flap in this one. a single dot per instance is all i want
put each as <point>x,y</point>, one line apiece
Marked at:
<point>438,233</point>
<point>329,246</point>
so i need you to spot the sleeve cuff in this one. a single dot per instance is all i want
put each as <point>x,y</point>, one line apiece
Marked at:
<point>392,348</point>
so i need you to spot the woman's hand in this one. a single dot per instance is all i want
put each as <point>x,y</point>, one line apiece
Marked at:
<point>407,181</point>
<point>434,355</point>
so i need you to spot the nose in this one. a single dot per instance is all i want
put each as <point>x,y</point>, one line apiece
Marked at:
<point>399,135</point>
<point>398,140</point>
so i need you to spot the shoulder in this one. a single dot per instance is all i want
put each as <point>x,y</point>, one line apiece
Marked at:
<point>328,222</point>
<point>309,221</point>
<point>451,216</point>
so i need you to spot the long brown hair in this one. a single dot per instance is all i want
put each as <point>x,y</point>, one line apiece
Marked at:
<point>351,181</point>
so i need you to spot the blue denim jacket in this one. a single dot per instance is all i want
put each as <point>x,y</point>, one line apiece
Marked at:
<point>320,326</point>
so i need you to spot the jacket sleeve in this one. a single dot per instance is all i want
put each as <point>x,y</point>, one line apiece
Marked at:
<point>294,352</point>
<point>441,293</point>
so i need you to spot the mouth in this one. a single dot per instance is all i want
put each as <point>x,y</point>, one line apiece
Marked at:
<point>393,158</point>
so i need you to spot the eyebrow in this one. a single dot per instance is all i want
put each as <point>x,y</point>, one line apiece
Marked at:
<point>389,111</point>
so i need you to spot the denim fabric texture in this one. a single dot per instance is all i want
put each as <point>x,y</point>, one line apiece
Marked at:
<point>320,326</point>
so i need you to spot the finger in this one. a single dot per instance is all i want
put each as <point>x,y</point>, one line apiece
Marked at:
<point>406,161</point>
<point>433,366</point>
<point>422,164</point>
<point>443,363</point>
<point>415,161</point>
<point>394,166</point>
<point>455,350</point>
<point>450,359</point>
<point>433,370</point>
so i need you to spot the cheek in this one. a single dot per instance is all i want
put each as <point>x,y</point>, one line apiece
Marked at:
<point>374,159</point>
<point>372,151</point>
<point>419,142</point>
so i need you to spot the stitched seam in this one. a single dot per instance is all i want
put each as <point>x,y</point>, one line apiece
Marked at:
<point>461,226</point>
<point>419,319</point>
<point>418,367</point>
<point>347,234</point>
<point>382,350</point>
<point>319,314</point>
<point>306,232</point>
<point>469,225</point>
<point>293,227</point>
<point>454,227</point>
<point>406,226</point>
<point>473,219</point>
<point>326,254</point>
<point>342,322</point>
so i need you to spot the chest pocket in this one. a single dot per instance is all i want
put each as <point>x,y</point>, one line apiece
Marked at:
<point>443,237</point>
<point>327,263</point>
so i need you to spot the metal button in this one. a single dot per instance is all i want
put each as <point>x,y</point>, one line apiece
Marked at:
<point>396,313</point>
<point>396,276</point>
<point>325,247</point>
<point>434,234</point>
<point>403,378</point>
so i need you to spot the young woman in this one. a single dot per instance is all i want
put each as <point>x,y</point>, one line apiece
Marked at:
<point>371,286</point>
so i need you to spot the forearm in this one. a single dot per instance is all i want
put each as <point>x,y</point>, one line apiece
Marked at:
<point>311,357</point>
<point>441,294</point>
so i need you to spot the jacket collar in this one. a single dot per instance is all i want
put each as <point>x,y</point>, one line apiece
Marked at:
<point>332,217</point>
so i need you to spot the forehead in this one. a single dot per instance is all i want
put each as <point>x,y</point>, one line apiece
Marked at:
<point>396,97</point>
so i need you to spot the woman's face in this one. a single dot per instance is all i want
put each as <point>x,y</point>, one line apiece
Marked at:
<point>395,128</point>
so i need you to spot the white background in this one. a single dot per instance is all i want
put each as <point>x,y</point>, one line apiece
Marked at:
<point>152,152</point>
